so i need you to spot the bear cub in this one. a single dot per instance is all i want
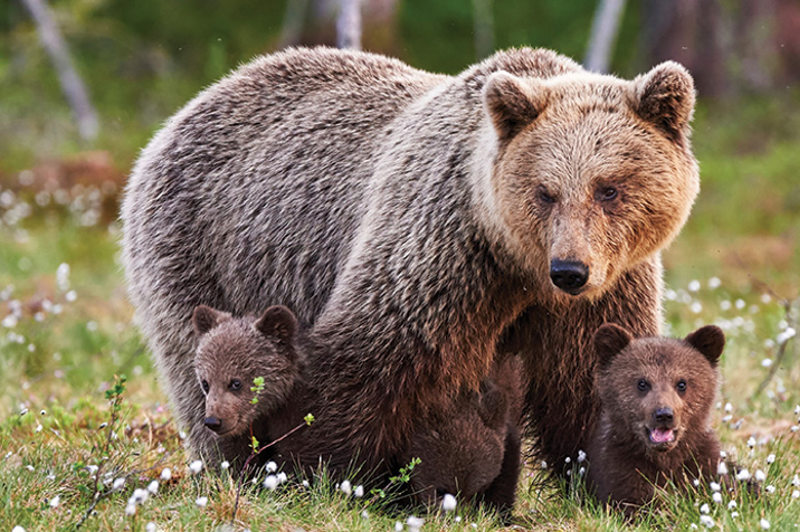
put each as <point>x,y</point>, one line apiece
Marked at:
<point>472,447</point>
<point>656,395</point>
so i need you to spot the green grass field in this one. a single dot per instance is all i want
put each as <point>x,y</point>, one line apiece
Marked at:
<point>66,332</point>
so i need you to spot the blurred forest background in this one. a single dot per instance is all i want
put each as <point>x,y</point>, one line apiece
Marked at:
<point>65,323</point>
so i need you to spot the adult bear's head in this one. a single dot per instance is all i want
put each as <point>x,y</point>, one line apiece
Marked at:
<point>592,174</point>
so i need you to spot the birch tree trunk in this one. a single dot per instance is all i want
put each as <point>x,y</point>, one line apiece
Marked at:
<point>348,24</point>
<point>71,83</point>
<point>604,32</point>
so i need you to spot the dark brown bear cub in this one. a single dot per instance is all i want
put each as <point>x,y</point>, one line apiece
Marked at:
<point>471,448</point>
<point>656,396</point>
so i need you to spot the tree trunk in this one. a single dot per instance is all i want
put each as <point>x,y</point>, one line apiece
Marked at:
<point>604,32</point>
<point>348,24</point>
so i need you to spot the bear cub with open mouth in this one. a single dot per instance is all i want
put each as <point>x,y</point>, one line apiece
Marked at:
<point>656,395</point>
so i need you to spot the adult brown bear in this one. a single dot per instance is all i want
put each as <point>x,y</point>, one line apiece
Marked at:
<point>420,223</point>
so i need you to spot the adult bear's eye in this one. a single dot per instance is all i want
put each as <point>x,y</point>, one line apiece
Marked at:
<point>544,196</point>
<point>681,386</point>
<point>204,384</point>
<point>235,384</point>
<point>606,194</point>
<point>643,385</point>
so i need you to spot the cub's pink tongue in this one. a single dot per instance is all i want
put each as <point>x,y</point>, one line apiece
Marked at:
<point>661,435</point>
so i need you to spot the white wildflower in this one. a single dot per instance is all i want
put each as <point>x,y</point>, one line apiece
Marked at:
<point>282,477</point>
<point>150,527</point>
<point>346,487</point>
<point>271,482</point>
<point>751,442</point>
<point>398,526</point>
<point>364,514</point>
<point>17,529</point>
<point>717,497</point>
<point>153,487</point>
<point>358,492</point>
<point>567,460</point>
<point>734,515</point>
<point>306,484</point>
<point>130,508</point>
<point>796,494</point>
<point>448,502</point>
<point>10,321</point>
<point>797,410</point>
<point>696,307</point>
<point>543,464</point>
<point>55,501</point>
<point>770,458</point>
<point>766,298</point>
<point>118,483</point>
<point>201,502</point>
<point>182,434</point>
<point>693,526</point>
<point>743,474</point>
<point>714,283</point>
<point>694,285</point>
<point>38,427</point>
<point>770,488</point>
<point>71,296</point>
<point>139,496</point>
<point>271,467</point>
<point>196,466</point>
<point>696,482</point>
<point>728,407</point>
<point>704,509</point>
<point>706,521</point>
<point>785,335</point>
<point>767,362</point>
<point>62,276</point>
<point>30,468</point>
<point>725,304</point>
<point>731,505</point>
<point>414,523</point>
<point>166,474</point>
<point>740,304</point>
<point>760,475</point>
<point>581,456</point>
<point>764,524</point>
<point>224,465</point>
<point>796,481</point>
<point>715,486</point>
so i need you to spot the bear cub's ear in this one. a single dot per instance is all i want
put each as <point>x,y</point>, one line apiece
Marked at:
<point>278,322</point>
<point>205,318</point>
<point>513,102</point>
<point>493,408</point>
<point>665,97</point>
<point>609,340</point>
<point>710,341</point>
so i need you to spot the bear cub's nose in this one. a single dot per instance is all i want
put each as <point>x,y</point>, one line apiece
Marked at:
<point>664,415</point>
<point>213,423</point>
<point>569,276</point>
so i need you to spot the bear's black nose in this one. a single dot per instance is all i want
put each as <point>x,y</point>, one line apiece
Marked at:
<point>663,415</point>
<point>213,423</point>
<point>569,276</point>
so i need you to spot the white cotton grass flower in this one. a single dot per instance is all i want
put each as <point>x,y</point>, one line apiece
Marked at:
<point>282,477</point>
<point>785,335</point>
<point>153,487</point>
<point>764,524</point>
<point>740,304</point>
<point>271,482</point>
<point>358,492</point>
<point>705,508</point>
<point>196,466</point>
<point>364,514</point>
<point>130,508</point>
<point>55,501</point>
<point>139,496</point>
<point>414,523</point>
<point>581,456</point>
<point>398,526</point>
<point>118,483</point>
<point>751,442</point>
<point>766,363</point>
<point>760,476</point>
<point>696,307</point>
<point>717,497</point>
<point>201,502</point>
<point>728,407</point>
<point>449,502</point>
<point>271,467</point>
<point>694,285</point>
<point>770,489</point>
<point>734,515</point>
<point>743,474</point>
<point>796,494</point>
<point>715,486</point>
<point>166,474</point>
<point>731,505</point>
<point>696,482</point>
<point>707,521</point>
<point>17,529</point>
<point>771,458</point>
<point>796,481</point>
<point>306,484</point>
<point>224,465</point>
<point>62,276</point>
<point>725,304</point>
<point>714,283</point>
<point>150,527</point>
<point>346,487</point>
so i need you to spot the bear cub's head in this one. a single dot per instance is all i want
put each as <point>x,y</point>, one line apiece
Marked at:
<point>232,353</point>
<point>657,392</point>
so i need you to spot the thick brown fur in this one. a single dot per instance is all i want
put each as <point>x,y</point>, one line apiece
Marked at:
<point>412,218</point>
<point>651,386</point>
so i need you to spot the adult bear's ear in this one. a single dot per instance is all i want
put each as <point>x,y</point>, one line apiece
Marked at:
<point>665,97</point>
<point>278,322</point>
<point>609,340</point>
<point>710,341</point>
<point>205,318</point>
<point>512,102</point>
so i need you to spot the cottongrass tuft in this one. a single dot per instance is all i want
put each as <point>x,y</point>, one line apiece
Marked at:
<point>414,523</point>
<point>358,492</point>
<point>345,487</point>
<point>55,501</point>
<point>224,465</point>
<point>271,482</point>
<point>118,483</point>
<point>743,474</point>
<point>760,475</point>
<point>764,524</point>
<point>153,487</point>
<point>17,529</point>
<point>196,466</point>
<point>705,508</point>
<point>201,502</point>
<point>717,497</point>
<point>707,521</point>
<point>150,527</point>
<point>770,458</point>
<point>449,502</point>
<point>166,474</point>
<point>715,486</point>
<point>271,467</point>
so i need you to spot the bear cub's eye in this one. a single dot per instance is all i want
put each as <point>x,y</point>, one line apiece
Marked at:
<point>235,384</point>
<point>544,196</point>
<point>204,385</point>
<point>681,386</point>
<point>643,385</point>
<point>606,194</point>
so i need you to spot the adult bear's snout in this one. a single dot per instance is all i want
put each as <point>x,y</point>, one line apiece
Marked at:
<point>569,276</point>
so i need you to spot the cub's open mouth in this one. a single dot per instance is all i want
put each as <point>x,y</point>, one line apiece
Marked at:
<point>661,437</point>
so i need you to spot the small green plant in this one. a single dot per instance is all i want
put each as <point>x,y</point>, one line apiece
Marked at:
<point>257,388</point>
<point>403,477</point>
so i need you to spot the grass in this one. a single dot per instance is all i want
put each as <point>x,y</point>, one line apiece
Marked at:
<point>65,336</point>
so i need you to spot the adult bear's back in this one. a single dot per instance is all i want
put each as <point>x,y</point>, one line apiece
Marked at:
<point>260,177</point>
